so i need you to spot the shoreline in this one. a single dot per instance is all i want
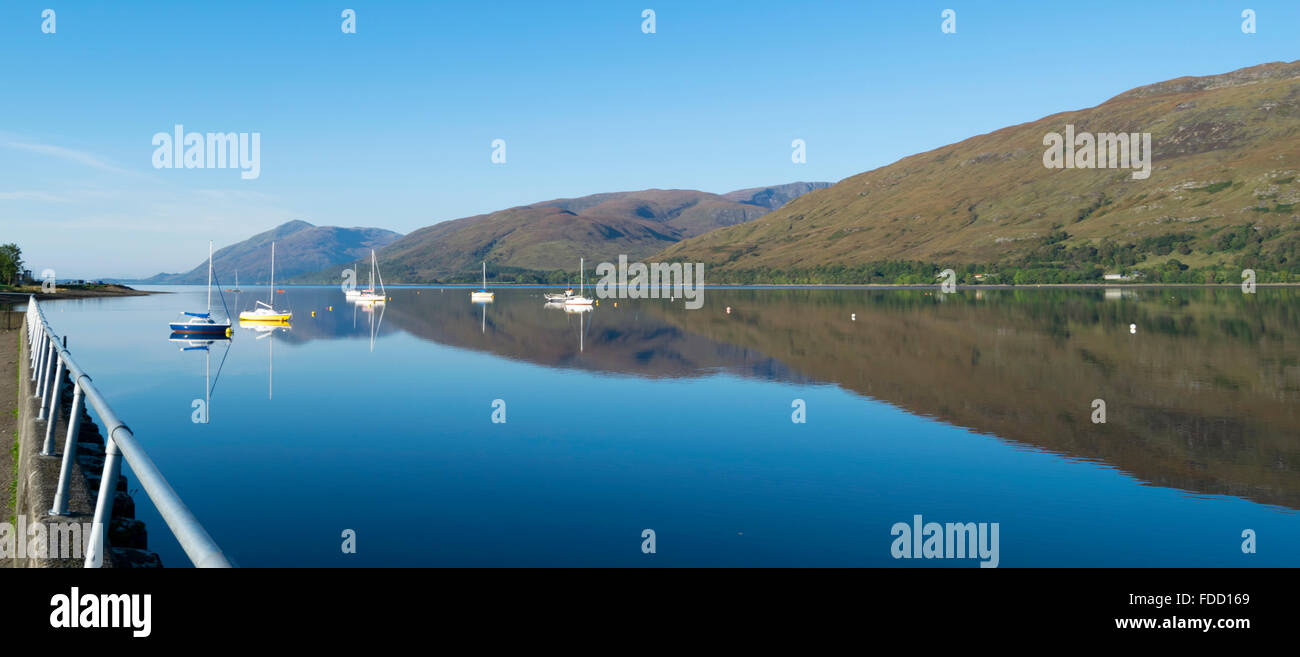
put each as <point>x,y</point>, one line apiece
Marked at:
<point>74,292</point>
<point>791,286</point>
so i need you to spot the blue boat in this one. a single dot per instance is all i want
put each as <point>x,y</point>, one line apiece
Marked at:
<point>202,323</point>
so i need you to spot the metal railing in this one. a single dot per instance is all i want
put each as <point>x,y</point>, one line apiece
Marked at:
<point>49,359</point>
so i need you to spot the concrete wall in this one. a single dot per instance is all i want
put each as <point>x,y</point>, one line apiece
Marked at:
<point>38,478</point>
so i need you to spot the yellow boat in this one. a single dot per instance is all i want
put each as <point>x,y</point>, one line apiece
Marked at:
<point>264,312</point>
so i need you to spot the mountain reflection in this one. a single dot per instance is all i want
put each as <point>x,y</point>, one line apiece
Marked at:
<point>1201,395</point>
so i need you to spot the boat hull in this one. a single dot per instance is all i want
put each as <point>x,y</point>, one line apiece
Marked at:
<point>189,328</point>
<point>272,318</point>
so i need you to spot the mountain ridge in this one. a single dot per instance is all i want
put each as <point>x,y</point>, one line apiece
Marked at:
<point>538,241</point>
<point>1222,195</point>
<point>301,247</point>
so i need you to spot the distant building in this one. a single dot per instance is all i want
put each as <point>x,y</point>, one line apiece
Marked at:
<point>1115,277</point>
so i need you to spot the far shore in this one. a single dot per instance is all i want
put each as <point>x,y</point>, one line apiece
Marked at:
<point>787,286</point>
<point>21,293</point>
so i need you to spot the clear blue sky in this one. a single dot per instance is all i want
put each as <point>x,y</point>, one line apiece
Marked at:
<point>392,126</point>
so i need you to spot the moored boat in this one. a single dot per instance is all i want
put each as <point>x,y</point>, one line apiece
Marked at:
<point>483,295</point>
<point>579,300</point>
<point>190,323</point>
<point>264,311</point>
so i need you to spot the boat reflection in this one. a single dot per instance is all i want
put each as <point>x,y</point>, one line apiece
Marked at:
<point>203,407</point>
<point>266,331</point>
<point>376,320</point>
<point>581,310</point>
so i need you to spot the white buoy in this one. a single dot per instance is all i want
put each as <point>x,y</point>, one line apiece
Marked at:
<point>1132,328</point>
<point>853,317</point>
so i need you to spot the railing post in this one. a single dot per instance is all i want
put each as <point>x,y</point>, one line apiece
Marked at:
<point>104,505</point>
<point>69,453</point>
<point>56,388</point>
<point>31,324</point>
<point>40,353</point>
<point>46,378</point>
<point>31,336</point>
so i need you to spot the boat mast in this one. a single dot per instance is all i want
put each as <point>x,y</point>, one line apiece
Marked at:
<point>581,270</point>
<point>271,299</point>
<point>209,276</point>
<point>484,274</point>
<point>207,382</point>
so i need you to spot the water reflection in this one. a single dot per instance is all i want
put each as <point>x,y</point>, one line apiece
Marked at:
<point>266,331</point>
<point>1202,397</point>
<point>571,309</point>
<point>203,407</point>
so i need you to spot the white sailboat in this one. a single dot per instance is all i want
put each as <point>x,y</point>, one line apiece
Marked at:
<point>579,300</point>
<point>482,296</point>
<point>265,311</point>
<point>558,297</point>
<point>368,295</point>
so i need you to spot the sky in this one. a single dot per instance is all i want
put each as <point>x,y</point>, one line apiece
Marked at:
<point>393,126</point>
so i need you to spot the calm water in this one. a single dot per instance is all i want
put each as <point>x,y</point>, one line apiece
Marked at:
<point>974,407</point>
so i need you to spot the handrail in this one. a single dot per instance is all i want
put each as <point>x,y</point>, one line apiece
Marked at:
<point>119,442</point>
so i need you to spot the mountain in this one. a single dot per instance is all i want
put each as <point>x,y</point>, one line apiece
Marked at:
<point>1222,194</point>
<point>775,196</point>
<point>553,235</point>
<point>300,247</point>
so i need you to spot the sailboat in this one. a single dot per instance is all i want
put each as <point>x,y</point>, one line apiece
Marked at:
<point>265,311</point>
<point>482,296</point>
<point>235,289</point>
<point>579,300</point>
<point>558,297</point>
<point>368,295</point>
<point>202,323</point>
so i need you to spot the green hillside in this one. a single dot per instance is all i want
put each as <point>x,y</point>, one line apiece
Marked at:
<point>546,240</point>
<point>1222,195</point>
